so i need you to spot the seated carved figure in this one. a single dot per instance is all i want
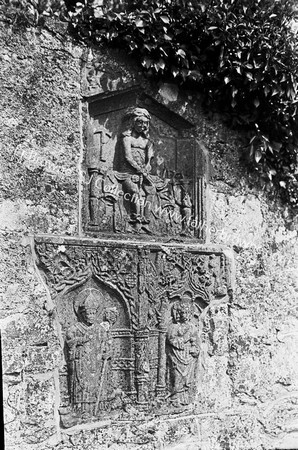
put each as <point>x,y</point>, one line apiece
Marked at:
<point>139,186</point>
<point>90,352</point>
<point>182,354</point>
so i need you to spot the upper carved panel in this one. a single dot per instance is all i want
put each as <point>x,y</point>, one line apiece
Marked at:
<point>142,177</point>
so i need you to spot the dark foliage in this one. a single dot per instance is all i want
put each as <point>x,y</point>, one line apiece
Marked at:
<point>23,13</point>
<point>242,54</point>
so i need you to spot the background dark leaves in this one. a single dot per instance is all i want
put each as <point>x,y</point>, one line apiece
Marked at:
<point>242,55</point>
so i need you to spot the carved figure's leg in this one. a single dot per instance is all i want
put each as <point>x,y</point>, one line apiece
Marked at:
<point>186,216</point>
<point>132,190</point>
<point>150,195</point>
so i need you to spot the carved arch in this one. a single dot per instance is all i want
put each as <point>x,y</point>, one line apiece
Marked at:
<point>120,295</point>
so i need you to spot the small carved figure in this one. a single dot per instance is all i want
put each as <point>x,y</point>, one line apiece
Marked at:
<point>182,353</point>
<point>90,352</point>
<point>183,200</point>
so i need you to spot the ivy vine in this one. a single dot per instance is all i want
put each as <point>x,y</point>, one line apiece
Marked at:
<point>23,13</point>
<point>242,55</point>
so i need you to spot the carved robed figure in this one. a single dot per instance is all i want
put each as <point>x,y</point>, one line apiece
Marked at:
<point>182,353</point>
<point>90,352</point>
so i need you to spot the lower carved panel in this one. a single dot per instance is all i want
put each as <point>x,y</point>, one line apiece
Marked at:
<point>130,316</point>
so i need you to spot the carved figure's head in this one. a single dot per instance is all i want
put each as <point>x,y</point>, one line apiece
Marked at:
<point>182,310</point>
<point>88,309</point>
<point>139,120</point>
<point>110,315</point>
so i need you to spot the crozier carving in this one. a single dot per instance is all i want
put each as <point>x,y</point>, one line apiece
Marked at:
<point>130,317</point>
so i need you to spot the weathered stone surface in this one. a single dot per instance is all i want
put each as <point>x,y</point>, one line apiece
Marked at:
<point>137,319</point>
<point>144,175</point>
<point>237,220</point>
<point>40,150</point>
<point>247,384</point>
<point>169,92</point>
<point>39,423</point>
<point>39,133</point>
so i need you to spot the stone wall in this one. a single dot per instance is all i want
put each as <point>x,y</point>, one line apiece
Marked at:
<point>40,155</point>
<point>249,378</point>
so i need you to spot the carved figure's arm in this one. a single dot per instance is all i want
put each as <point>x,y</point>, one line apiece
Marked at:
<point>108,349</point>
<point>150,154</point>
<point>194,340</point>
<point>174,340</point>
<point>73,339</point>
<point>128,154</point>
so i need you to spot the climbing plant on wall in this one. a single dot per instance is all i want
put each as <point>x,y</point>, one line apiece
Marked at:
<point>24,13</point>
<point>241,54</point>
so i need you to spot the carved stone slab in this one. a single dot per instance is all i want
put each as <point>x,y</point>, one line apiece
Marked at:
<point>144,173</point>
<point>130,321</point>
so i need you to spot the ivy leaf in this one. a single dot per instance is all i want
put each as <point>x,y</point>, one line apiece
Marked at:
<point>266,90</point>
<point>258,156</point>
<point>147,63</point>
<point>276,146</point>
<point>175,71</point>
<point>195,75</point>
<point>160,65</point>
<point>165,19</point>
<point>139,23</point>
<point>184,73</point>
<point>181,52</point>
<point>234,91</point>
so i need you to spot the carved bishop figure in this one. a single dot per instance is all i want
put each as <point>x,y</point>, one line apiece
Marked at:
<point>90,352</point>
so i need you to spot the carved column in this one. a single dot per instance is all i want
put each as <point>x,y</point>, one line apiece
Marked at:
<point>95,157</point>
<point>162,359</point>
<point>200,220</point>
<point>93,200</point>
<point>142,366</point>
<point>161,375</point>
